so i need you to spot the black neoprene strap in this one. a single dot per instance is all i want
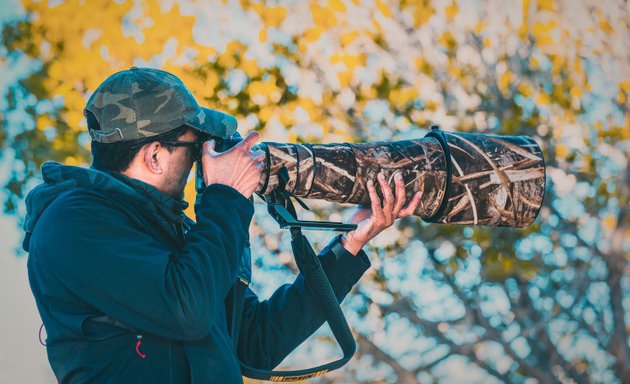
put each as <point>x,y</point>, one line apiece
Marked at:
<point>439,135</point>
<point>316,280</point>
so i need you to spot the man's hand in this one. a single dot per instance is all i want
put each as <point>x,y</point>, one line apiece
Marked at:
<point>373,221</point>
<point>238,167</point>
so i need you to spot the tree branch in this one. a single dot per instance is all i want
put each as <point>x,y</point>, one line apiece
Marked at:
<point>368,347</point>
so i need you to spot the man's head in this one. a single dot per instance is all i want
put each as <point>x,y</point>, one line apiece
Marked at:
<point>140,121</point>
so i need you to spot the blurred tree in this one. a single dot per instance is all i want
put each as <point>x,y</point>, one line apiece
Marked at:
<point>549,303</point>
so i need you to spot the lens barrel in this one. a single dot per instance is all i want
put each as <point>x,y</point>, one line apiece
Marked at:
<point>464,178</point>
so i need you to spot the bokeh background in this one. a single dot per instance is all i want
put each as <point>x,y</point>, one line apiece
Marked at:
<point>452,304</point>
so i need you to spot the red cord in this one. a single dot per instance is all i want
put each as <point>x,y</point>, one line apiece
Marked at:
<point>40,335</point>
<point>138,344</point>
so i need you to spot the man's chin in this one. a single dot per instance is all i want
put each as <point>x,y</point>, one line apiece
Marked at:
<point>176,194</point>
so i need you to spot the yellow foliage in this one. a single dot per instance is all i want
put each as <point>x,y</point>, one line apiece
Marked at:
<point>558,63</point>
<point>401,96</point>
<point>165,26</point>
<point>578,68</point>
<point>263,92</point>
<point>83,28</point>
<point>71,160</point>
<point>337,5</point>
<point>250,67</point>
<point>451,10</point>
<point>525,89</point>
<point>479,27</point>
<point>43,121</point>
<point>575,92</point>
<point>348,37</point>
<point>368,93</point>
<point>272,16</point>
<point>211,82</point>
<point>423,12</point>
<point>309,106</point>
<point>73,118</point>
<point>455,71</point>
<point>383,8</point>
<point>542,32</point>
<point>606,27</point>
<point>625,85</point>
<point>543,99</point>
<point>312,35</point>
<point>546,5</point>
<point>266,112</point>
<point>525,10</point>
<point>228,58</point>
<point>190,194</point>
<point>323,17</point>
<point>286,114</point>
<point>561,151</point>
<point>609,222</point>
<point>504,81</point>
<point>345,78</point>
<point>423,66</point>
<point>448,40</point>
<point>352,61</point>
<point>57,144</point>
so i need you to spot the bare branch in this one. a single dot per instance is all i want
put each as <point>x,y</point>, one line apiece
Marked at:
<point>368,347</point>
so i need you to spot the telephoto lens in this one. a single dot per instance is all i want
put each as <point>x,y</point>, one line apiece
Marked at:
<point>463,178</point>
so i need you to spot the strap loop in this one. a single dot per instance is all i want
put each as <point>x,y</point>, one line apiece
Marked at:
<point>316,280</point>
<point>440,136</point>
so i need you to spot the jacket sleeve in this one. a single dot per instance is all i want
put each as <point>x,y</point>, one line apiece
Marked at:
<point>108,262</point>
<point>271,329</point>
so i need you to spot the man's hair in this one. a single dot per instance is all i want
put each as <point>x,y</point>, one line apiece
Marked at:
<point>118,156</point>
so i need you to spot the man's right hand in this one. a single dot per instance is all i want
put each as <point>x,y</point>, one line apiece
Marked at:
<point>238,167</point>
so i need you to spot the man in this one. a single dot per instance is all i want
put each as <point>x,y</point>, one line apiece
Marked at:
<point>128,288</point>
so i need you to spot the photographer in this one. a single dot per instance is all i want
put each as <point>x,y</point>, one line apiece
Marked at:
<point>131,290</point>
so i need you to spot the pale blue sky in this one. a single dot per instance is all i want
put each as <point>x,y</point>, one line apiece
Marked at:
<point>22,358</point>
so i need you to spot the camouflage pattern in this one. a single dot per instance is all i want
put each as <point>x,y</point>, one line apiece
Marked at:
<point>496,180</point>
<point>144,102</point>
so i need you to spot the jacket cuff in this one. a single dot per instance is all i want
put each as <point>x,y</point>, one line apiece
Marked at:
<point>341,267</point>
<point>227,194</point>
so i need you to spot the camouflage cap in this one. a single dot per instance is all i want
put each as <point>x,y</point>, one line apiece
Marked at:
<point>145,102</point>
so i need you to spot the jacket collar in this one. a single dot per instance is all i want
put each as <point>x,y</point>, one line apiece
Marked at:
<point>171,208</point>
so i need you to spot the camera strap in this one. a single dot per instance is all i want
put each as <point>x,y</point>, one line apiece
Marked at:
<point>318,284</point>
<point>440,136</point>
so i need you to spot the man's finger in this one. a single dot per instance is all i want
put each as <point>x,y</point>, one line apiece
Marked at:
<point>375,202</point>
<point>388,198</point>
<point>411,207</point>
<point>258,155</point>
<point>249,141</point>
<point>208,147</point>
<point>400,193</point>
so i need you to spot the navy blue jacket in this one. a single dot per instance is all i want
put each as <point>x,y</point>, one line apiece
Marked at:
<point>130,290</point>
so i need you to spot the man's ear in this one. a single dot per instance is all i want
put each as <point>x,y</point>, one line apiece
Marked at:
<point>152,157</point>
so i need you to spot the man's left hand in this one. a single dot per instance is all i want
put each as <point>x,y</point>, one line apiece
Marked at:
<point>372,221</point>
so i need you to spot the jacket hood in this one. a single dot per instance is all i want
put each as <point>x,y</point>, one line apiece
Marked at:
<point>59,179</point>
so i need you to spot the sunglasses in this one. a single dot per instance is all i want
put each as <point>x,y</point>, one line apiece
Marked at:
<point>189,144</point>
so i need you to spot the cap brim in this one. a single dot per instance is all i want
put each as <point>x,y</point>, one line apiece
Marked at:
<point>213,122</point>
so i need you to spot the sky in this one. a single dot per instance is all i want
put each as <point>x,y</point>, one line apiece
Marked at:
<point>22,358</point>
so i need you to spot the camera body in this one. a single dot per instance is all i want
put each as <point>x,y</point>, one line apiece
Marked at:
<point>464,178</point>
<point>222,144</point>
